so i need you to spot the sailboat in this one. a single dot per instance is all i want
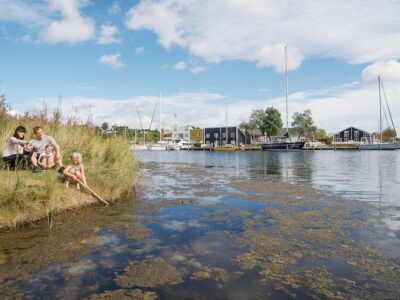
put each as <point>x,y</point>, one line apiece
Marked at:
<point>379,144</point>
<point>161,145</point>
<point>284,143</point>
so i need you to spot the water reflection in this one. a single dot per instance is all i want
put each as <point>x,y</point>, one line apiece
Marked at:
<point>223,226</point>
<point>351,174</point>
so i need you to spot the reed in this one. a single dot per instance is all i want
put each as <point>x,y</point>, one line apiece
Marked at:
<point>109,166</point>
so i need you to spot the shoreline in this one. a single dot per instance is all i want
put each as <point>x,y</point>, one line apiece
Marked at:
<point>25,197</point>
<point>70,199</point>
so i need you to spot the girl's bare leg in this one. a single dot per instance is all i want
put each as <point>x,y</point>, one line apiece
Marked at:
<point>50,162</point>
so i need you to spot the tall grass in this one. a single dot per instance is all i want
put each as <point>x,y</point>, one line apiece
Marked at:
<point>25,196</point>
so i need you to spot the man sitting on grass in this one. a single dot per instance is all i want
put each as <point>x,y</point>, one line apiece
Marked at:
<point>39,143</point>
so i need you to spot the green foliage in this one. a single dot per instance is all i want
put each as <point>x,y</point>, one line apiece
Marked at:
<point>246,126</point>
<point>388,134</point>
<point>269,121</point>
<point>272,122</point>
<point>104,126</point>
<point>304,124</point>
<point>4,106</point>
<point>322,136</point>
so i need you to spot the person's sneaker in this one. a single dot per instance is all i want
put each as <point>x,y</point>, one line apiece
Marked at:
<point>61,170</point>
<point>67,184</point>
<point>78,186</point>
<point>37,169</point>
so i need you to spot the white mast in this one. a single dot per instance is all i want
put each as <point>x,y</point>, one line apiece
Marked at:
<point>380,107</point>
<point>159,99</point>
<point>173,129</point>
<point>226,129</point>
<point>287,87</point>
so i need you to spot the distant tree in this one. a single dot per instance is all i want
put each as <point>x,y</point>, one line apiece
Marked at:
<point>321,136</point>
<point>304,124</point>
<point>388,134</point>
<point>272,122</point>
<point>246,125</point>
<point>257,119</point>
<point>4,106</point>
<point>104,126</point>
<point>268,121</point>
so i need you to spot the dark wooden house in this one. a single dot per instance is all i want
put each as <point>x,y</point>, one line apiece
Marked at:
<point>351,135</point>
<point>221,136</point>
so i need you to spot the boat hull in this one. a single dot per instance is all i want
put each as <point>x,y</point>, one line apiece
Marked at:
<point>227,149</point>
<point>283,146</point>
<point>378,146</point>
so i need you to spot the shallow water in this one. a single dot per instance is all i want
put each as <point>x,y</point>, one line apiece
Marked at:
<point>206,225</point>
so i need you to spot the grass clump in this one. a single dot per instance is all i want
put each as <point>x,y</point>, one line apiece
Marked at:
<point>25,196</point>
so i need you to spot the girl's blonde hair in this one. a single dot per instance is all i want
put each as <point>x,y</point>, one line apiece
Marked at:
<point>77,156</point>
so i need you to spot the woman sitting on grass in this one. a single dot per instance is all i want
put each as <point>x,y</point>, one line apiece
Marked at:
<point>13,149</point>
<point>75,172</point>
<point>46,159</point>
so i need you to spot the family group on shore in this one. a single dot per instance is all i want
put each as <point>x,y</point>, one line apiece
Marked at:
<point>41,153</point>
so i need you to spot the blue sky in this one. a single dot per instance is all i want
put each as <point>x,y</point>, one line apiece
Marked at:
<point>204,56</point>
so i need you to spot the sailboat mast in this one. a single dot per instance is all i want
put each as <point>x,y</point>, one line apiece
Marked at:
<point>287,87</point>
<point>160,118</point>
<point>226,129</point>
<point>380,107</point>
<point>173,129</point>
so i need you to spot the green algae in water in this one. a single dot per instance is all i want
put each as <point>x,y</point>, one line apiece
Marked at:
<point>122,294</point>
<point>148,273</point>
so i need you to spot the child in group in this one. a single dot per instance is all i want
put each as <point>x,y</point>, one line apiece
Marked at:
<point>75,172</point>
<point>46,159</point>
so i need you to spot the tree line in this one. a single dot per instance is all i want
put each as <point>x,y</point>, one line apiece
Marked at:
<point>269,122</point>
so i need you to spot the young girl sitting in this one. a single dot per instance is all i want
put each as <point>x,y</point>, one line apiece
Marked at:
<point>46,159</point>
<point>75,172</point>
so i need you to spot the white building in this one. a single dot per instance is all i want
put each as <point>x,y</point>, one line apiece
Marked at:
<point>182,133</point>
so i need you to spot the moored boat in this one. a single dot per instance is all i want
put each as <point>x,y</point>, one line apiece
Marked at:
<point>378,144</point>
<point>228,148</point>
<point>282,144</point>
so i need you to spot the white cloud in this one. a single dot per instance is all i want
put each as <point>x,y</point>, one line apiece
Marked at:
<point>181,65</point>
<point>107,34</point>
<point>198,69</point>
<point>161,18</point>
<point>112,60</point>
<point>272,57</point>
<point>18,11</point>
<point>389,71</point>
<point>114,9</point>
<point>255,30</point>
<point>73,27</point>
<point>26,38</point>
<point>333,108</point>
<point>139,50</point>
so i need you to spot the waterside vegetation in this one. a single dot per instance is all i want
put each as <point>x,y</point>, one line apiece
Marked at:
<point>26,197</point>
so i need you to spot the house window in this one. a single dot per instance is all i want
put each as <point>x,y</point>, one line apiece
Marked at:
<point>186,135</point>
<point>346,134</point>
<point>207,135</point>
<point>233,135</point>
<point>223,135</point>
<point>208,142</point>
<point>356,133</point>
<point>216,135</point>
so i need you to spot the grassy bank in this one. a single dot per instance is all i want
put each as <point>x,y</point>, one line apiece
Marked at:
<point>25,196</point>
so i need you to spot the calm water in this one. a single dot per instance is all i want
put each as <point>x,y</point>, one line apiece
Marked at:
<point>358,175</point>
<point>328,226</point>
